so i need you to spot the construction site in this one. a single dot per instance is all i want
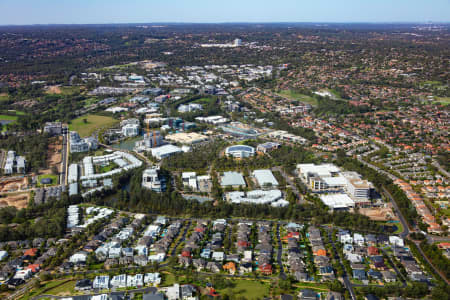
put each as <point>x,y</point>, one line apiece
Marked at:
<point>379,213</point>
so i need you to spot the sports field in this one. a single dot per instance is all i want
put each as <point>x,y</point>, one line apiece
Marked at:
<point>297,96</point>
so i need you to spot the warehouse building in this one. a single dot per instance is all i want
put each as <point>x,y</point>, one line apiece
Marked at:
<point>73,173</point>
<point>265,178</point>
<point>233,179</point>
<point>165,151</point>
<point>337,201</point>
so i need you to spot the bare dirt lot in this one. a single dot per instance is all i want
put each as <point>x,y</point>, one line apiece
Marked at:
<point>379,214</point>
<point>53,155</point>
<point>13,184</point>
<point>54,89</point>
<point>17,200</point>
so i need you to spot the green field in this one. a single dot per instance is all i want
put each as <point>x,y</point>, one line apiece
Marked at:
<point>90,101</point>
<point>290,94</point>
<point>4,97</point>
<point>93,123</point>
<point>8,117</point>
<point>250,289</point>
<point>399,228</point>
<point>442,100</point>
<point>203,100</point>
<point>54,179</point>
<point>52,287</point>
<point>67,288</point>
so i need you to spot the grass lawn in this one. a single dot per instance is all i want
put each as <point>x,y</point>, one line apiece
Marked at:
<point>98,266</point>
<point>111,166</point>
<point>399,228</point>
<point>47,287</point>
<point>63,289</point>
<point>8,117</point>
<point>442,100</point>
<point>250,289</point>
<point>93,123</point>
<point>53,177</point>
<point>297,96</point>
<point>312,285</point>
<point>90,101</point>
<point>203,100</point>
<point>169,279</point>
<point>4,97</point>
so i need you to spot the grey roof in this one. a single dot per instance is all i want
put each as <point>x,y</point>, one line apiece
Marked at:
<point>265,177</point>
<point>232,178</point>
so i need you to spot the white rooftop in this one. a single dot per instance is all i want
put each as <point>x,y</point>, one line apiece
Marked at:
<point>337,201</point>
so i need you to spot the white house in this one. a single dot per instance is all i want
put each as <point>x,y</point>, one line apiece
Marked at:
<point>3,255</point>
<point>346,238</point>
<point>135,281</point>
<point>396,241</point>
<point>79,257</point>
<point>218,256</point>
<point>152,278</point>
<point>158,257</point>
<point>358,239</point>
<point>353,257</point>
<point>119,281</point>
<point>23,274</point>
<point>101,282</point>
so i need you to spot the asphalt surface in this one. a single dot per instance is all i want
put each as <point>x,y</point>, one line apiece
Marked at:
<point>280,253</point>
<point>429,262</point>
<point>64,159</point>
<point>348,285</point>
<point>399,274</point>
<point>291,183</point>
<point>183,237</point>
<point>405,231</point>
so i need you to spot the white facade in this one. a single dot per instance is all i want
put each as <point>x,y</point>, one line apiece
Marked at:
<point>79,257</point>
<point>150,179</point>
<point>257,197</point>
<point>337,201</point>
<point>101,282</point>
<point>130,130</point>
<point>152,278</point>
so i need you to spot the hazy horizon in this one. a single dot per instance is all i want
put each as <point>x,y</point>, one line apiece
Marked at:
<point>85,12</point>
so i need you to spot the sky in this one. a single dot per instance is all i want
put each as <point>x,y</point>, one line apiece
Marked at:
<point>24,12</point>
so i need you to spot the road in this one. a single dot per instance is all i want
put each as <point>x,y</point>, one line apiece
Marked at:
<point>291,184</point>
<point>280,253</point>
<point>399,274</point>
<point>138,290</point>
<point>429,262</point>
<point>348,285</point>
<point>22,290</point>
<point>183,237</point>
<point>406,230</point>
<point>64,157</point>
